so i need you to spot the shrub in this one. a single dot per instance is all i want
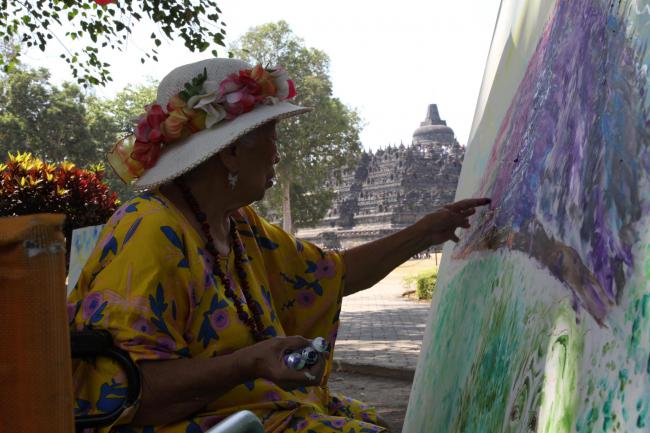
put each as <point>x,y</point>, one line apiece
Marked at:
<point>425,284</point>
<point>29,185</point>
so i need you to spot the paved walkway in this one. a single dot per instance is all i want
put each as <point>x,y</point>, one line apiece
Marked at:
<point>380,330</point>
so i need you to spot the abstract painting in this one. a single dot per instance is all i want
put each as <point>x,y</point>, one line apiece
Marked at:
<point>83,242</point>
<point>541,321</point>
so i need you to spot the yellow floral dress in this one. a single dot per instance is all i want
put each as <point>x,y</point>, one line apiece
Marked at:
<point>149,281</point>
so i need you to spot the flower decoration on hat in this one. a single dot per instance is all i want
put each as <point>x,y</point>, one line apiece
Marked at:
<point>200,105</point>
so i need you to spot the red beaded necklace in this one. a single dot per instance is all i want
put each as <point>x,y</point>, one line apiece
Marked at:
<point>254,323</point>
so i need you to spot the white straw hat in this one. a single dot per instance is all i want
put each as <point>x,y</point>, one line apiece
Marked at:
<point>180,156</point>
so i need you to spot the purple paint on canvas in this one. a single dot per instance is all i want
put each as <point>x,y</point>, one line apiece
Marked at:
<point>572,155</point>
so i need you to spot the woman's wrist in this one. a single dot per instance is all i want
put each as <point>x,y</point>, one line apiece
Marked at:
<point>244,365</point>
<point>422,232</point>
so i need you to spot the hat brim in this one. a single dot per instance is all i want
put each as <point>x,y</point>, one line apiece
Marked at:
<point>180,157</point>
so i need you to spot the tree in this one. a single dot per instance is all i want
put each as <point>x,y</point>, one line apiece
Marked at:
<point>111,119</point>
<point>311,145</point>
<point>128,104</point>
<point>60,123</point>
<point>43,119</point>
<point>93,27</point>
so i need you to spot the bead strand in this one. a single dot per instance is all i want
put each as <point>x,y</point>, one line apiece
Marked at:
<point>254,323</point>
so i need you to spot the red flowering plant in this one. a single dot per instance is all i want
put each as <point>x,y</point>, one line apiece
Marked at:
<point>28,185</point>
<point>201,104</point>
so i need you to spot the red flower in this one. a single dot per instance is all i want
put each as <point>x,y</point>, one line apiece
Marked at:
<point>103,2</point>
<point>148,129</point>
<point>292,89</point>
<point>146,153</point>
<point>249,83</point>
<point>149,136</point>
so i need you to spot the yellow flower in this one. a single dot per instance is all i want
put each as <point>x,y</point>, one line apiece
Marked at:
<point>264,79</point>
<point>173,126</point>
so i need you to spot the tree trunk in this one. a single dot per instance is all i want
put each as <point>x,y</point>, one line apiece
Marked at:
<point>287,223</point>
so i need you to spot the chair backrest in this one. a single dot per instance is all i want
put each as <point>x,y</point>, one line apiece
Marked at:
<point>35,365</point>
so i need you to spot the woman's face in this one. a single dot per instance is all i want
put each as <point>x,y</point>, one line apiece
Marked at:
<point>256,155</point>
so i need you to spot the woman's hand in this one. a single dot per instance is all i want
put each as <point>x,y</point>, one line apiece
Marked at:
<point>442,224</point>
<point>266,360</point>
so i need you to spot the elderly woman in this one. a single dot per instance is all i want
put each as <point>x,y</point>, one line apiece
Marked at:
<point>207,297</point>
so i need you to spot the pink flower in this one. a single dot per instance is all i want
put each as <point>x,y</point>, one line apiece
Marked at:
<point>325,269</point>
<point>90,304</point>
<point>243,91</point>
<point>115,218</point>
<point>338,423</point>
<point>219,320</point>
<point>230,84</point>
<point>238,102</point>
<point>272,396</point>
<point>72,309</point>
<point>143,325</point>
<point>305,298</point>
<point>166,343</point>
<point>208,276</point>
<point>335,405</point>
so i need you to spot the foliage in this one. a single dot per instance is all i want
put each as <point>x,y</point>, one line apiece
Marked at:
<point>28,185</point>
<point>94,28</point>
<point>311,145</point>
<point>111,119</point>
<point>46,120</point>
<point>60,123</point>
<point>121,110</point>
<point>425,283</point>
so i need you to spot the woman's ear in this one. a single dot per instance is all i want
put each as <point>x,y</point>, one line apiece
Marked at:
<point>228,158</point>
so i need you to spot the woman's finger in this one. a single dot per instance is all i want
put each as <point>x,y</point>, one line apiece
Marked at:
<point>296,342</point>
<point>468,204</point>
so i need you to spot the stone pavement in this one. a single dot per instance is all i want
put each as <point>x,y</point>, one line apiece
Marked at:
<point>381,332</point>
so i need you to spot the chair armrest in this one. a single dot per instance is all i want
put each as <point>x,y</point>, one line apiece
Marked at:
<point>241,422</point>
<point>99,343</point>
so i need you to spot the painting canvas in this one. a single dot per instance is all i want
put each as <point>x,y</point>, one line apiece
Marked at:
<point>82,244</point>
<point>541,320</point>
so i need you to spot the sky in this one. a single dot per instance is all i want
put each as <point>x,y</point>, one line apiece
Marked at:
<point>388,60</point>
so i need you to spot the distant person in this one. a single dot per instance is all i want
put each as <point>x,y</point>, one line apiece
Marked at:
<point>206,296</point>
